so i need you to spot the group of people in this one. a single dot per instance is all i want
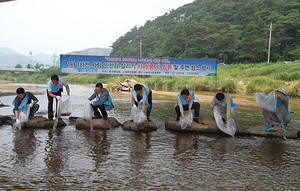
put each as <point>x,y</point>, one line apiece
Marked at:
<point>101,101</point>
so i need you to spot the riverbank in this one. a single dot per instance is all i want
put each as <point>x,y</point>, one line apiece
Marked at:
<point>233,78</point>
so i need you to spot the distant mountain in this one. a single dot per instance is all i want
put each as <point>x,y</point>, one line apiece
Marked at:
<point>43,58</point>
<point>10,58</point>
<point>93,51</point>
<point>5,50</point>
<point>90,51</point>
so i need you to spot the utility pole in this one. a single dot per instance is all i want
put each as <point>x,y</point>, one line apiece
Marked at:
<point>270,42</point>
<point>30,53</point>
<point>140,47</point>
<point>54,59</point>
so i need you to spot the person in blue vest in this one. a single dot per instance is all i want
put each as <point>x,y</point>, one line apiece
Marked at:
<point>103,102</point>
<point>282,114</point>
<point>24,98</point>
<point>141,95</point>
<point>54,89</point>
<point>186,100</point>
<point>224,103</point>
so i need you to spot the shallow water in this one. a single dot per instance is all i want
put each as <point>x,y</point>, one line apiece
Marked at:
<point>70,159</point>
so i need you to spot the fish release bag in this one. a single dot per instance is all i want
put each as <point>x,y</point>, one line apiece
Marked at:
<point>267,102</point>
<point>66,108</point>
<point>88,112</point>
<point>229,128</point>
<point>23,116</point>
<point>137,115</point>
<point>187,121</point>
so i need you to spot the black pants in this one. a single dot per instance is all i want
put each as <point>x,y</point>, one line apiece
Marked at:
<point>50,104</point>
<point>195,106</point>
<point>149,101</point>
<point>102,109</point>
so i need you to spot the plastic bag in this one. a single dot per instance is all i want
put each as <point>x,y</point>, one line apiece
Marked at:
<point>137,115</point>
<point>23,116</point>
<point>267,102</point>
<point>58,109</point>
<point>66,108</point>
<point>187,121</point>
<point>229,128</point>
<point>88,112</point>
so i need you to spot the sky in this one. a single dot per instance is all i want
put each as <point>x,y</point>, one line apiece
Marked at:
<point>62,26</point>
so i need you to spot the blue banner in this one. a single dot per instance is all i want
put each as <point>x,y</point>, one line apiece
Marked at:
<point>137,65</point>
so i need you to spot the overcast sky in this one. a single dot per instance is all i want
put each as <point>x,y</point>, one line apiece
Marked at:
<point>61,26</point>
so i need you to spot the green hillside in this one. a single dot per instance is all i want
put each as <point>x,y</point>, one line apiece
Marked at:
<point>232,31</point>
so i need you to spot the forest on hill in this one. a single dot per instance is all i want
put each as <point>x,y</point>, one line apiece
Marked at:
<point>232,31</point>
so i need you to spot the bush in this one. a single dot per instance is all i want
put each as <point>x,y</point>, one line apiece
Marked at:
<point>229,86</point>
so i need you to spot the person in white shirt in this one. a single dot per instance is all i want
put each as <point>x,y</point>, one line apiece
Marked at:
<point>54,88</point>
<point>141,95</point>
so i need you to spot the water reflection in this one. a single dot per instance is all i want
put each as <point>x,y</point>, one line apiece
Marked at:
<point>139,152</point>
<point>98,145</point>
<point>70,159</point>
<point>24,146</point>
<point>55,158</point>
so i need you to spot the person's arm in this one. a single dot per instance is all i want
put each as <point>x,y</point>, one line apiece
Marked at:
<point>51,94</point>
<point>17,114</point>
<point>180,105</point>
<point>35,100</point>
<point>144,105</point>
<point>191,100</point>
<point>68,90</point>
<point>132,101</point>
<point>212,103</point>
<point>228,107</point>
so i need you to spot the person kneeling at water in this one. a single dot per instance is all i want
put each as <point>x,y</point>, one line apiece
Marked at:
<point>186,100</point>
<point>282,114</point>
<point>103,102</point>
<point>24,98</point>
<point>141,95</point>
<point>224,103</point>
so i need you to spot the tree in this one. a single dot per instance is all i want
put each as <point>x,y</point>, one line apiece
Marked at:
<point>38,66</point>
<point>29,66</point>
<point>53,70</point>
<point>231,31</point>
<point>18,66</point>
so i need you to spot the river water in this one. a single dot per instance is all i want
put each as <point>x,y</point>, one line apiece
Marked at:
<point>70,159</point>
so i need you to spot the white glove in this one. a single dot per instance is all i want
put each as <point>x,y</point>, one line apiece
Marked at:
<point>134,106</point>
<point>68,97</point>
<point>31,105</point>
<point>92,102</point>
<point>17,121</point>
<point>89,102</point>
<point>58,97</point>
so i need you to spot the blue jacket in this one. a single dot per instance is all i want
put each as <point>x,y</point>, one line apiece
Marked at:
<point>103,99</point>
